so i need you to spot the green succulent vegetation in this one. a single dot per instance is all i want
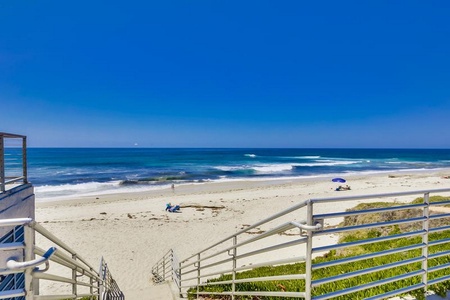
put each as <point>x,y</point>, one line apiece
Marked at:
<point>345,252</point>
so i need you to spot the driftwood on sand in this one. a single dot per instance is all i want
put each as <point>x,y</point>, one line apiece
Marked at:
<point>193,205</point>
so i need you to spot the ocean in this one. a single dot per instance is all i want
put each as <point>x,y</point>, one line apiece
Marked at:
<point>66,172</point>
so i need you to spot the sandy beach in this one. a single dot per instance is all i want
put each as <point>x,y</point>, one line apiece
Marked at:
<point>133,231</point>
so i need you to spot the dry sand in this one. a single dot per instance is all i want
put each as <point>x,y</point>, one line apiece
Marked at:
<point>133,231</point>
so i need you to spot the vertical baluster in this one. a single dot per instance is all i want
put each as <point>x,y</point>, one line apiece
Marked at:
<point>308,262</point>
<point>74,276</point>
<point>101,287</point>
<point>164,269</point>
<point>2,165</point>
<point>158,272</point>
<point>171,263</point>
<point>29,255</point>
<point>425,227</point>
<point>91,282</point>
<point>24,160</point>
<point>179,279</point>
<point>198,275</point>
<point>233,288</point>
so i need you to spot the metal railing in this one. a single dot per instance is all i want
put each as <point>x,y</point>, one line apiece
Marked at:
<point>22,279</point>
<point>108,286</point>
<point>166,268</point>
<point>18,175</point>
<point>304,243</point>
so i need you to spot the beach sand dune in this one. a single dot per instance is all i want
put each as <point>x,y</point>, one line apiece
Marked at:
<point>133,231</point>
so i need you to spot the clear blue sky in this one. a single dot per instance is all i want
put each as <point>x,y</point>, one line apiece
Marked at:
<point>226,73</point>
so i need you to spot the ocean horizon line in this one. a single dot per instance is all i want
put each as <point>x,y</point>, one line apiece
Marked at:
<point>237,148</point>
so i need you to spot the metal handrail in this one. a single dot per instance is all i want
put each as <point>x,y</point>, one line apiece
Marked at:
<point>381,195</point>
<point>12,293</point>
<point>85,280</point>
<point>195,272</point>
<point>264,221</point>
<point>15,222</point>
<point>15,265</point>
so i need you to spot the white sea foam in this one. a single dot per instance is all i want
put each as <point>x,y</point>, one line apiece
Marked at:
<point>232,168</point>
<point>49,192</point>
<point>273,168</point>
<point>250,155</point>
<point>65,189</point>
<point>300,157</point>
<point>319,163</point>
<point>408,163</point>
<point>263,168</point>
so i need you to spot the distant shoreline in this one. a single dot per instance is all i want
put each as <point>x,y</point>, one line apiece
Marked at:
<point>225,183</point>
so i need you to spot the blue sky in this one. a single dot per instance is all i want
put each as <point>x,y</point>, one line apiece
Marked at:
<point>226,73</point>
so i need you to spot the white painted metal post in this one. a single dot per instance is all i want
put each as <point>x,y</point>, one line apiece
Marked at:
<point>29,255</point>
<point>157,270</point>
<point>234,266</point>
<point>164,268</point>
<point>426,229</point>
<point>24,160</point>
<point>2,165</point>
<point>308,263</point>
<point>171,264</point>
<point>198,275</point>
<point>74,277</point>
<point>179,277</point>
<point>91,282</point>
<point>101,283</point>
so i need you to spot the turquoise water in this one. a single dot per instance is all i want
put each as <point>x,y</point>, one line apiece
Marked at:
<point>70,171</point>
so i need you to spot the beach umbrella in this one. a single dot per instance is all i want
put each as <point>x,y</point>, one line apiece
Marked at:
<point>338,180</point>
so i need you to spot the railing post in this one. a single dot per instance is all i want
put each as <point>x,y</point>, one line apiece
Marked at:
<point>233,288</point>
<point>198,274</point>
<point>29,255</point>
<point>171,264</point>
<point>308,263</point>
<point>74,277</point>
<point>425,227</point>
<point>101,282</point>
<point>24,159</point>
<point>2,165</point>
<point>91,283</point>
<point>179,279</point>
<point>164,268</point>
